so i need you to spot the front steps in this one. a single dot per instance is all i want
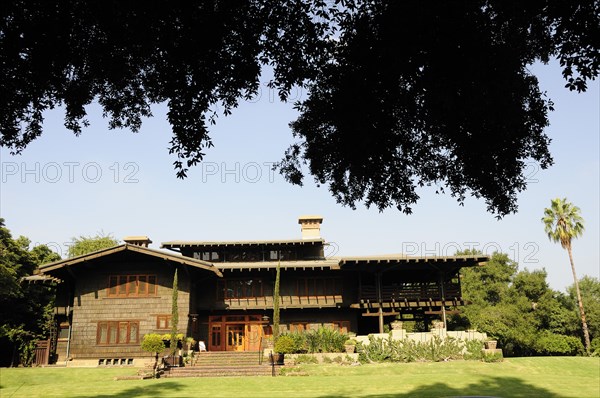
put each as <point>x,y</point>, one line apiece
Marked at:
<point>224,363</point>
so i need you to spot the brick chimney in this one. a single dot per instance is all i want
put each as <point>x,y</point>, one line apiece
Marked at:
<point>310,226</point>
<point>143,240</point>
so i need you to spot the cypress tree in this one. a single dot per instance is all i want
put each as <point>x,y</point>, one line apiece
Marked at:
<point>174,315</point>
<point>276,303</point>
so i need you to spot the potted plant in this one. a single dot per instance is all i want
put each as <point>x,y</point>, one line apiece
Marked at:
<point>190,343</point>
<point>153,343</point>
<point>491,344</point>
<point>350,346</point>
<point>396,324</point>
<point>285,345</point>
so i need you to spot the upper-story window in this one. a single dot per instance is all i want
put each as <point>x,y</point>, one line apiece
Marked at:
<point>240,255</point>
<point>235,254</point>
<point>131,285</point>
<point>207,256</point>
<point>242,288</point>
<point>317,287</point>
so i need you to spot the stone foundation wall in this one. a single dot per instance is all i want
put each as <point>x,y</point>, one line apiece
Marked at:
<point>424,337</point>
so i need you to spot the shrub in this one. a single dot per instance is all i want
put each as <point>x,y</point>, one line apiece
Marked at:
<point>376,351</point>
<point>167,336</point>
<point>595,346</point>
<point>300,343</point>
<point>285,345</point>
<point>473,349</point>
<point>444,350</point>
<point>492,357</point>
<point>325,340</point>
<point>153,343</point>
<point>558,344</point>
<point>383,350</point>
<point>306,359</point>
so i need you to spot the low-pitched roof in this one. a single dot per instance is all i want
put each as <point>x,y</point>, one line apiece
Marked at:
<point>195,243</point>
<point>409,262</point>
<point>400,258</point>
<point>300,264</point>
<point>48,268</point>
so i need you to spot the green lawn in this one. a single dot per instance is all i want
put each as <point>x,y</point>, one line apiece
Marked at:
<point>515,377</point>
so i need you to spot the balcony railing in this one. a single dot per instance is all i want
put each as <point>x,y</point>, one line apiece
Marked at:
<point>411,292</point>
<point>285,301</point>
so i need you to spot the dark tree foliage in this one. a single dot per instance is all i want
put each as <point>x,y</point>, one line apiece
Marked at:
<point>129,55</point>
<point>402,94</point>
<point>25,308</point>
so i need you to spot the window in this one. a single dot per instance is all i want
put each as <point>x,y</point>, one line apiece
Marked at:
<point>118,332</point>
<point>342,326</point>
<point>319,286</point>
<point>63,330</point>
<point>239,255</point>
<point>240,288</point>
<point>299,326</point>
<point>131,285</point>
<point>206,256</point>
<point>163,322</point>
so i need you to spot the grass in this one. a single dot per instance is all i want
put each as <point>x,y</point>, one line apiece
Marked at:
<point>515,377</point>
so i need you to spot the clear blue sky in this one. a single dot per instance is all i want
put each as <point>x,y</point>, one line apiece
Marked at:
<point>122,184</point>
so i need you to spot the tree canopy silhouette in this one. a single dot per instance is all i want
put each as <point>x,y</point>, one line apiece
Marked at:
<point>401,94</point>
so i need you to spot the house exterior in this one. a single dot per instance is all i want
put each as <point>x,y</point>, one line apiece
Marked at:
<point>107,300</point>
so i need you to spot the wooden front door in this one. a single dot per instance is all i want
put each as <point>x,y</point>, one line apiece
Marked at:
<point>235,332</point>
<point>236,337</point>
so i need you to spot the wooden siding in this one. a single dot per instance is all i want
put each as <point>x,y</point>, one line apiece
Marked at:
<point>92,305</point>
<point>207,296</point>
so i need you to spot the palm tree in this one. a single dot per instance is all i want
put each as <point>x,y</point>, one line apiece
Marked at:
<point>563,223</point>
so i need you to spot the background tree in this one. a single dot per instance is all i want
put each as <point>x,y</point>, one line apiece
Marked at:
<point>88,244</point>
<point>590,294</point>
<point>387,112</point>
<point>517,308</point>
<point>563,223</point>
<point>25,308</point>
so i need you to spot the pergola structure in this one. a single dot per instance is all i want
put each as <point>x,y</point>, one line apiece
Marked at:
<point>395,285</point>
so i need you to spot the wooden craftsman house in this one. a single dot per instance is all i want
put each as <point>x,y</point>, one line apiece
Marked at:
<point>109,299</point>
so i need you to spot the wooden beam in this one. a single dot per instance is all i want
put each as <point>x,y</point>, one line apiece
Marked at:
<point>409,304</point>
<point>431,312</point>
<point>383,313</point>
